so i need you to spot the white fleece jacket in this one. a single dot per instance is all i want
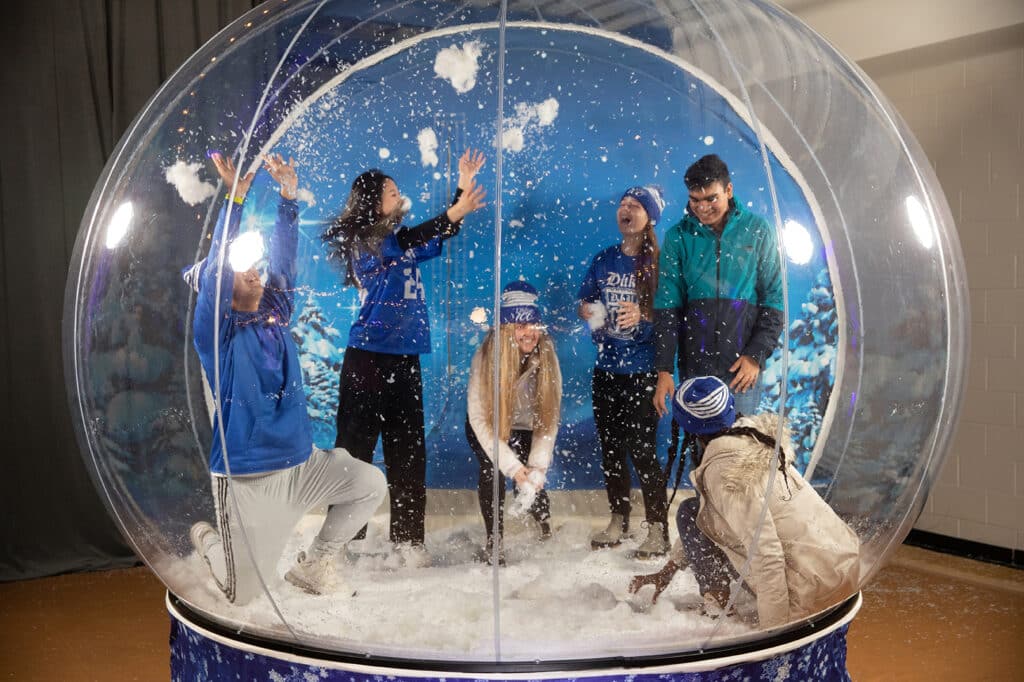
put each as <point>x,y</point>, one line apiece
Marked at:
<point>525,387</point>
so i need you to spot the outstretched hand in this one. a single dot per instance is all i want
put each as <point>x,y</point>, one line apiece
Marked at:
<point>660,580</point>
<point>470,163</point>
<point>471,199</point>
<point>283,173</point>
<point>227,172</point>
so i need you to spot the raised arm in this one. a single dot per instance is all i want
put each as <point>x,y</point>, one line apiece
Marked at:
<point>285,237</point>
<point>468,198</point>
<point>225,230</point>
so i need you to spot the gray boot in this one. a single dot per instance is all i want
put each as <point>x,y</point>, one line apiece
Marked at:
<point>656,542</point>
<point>612,535</point>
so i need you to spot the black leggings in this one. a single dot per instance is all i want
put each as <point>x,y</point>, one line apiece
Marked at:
<point>381,395</point>
<point>520,442</point>
<point>627,425</point>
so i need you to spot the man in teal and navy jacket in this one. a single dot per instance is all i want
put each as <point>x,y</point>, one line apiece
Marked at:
<point>718,308</point>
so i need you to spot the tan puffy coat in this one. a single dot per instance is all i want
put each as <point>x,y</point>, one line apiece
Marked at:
<point>806,557</point>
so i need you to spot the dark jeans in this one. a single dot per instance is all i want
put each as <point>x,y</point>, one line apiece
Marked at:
<point>627,425</point>
<point>711,567</point>
<point>520,442</point>
<point>381,395</point>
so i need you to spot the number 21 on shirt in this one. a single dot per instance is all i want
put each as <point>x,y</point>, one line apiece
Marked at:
<point>413,284</point>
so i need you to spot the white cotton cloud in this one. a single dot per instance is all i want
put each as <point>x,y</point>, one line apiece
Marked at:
<point>427,140</point>
<point>384,152</point>
<point>547,111</point>
<point>306,196</point>
<point>528,118</point>
<point>459,66</point>
<point>184,177</point>
<point>512,139</point>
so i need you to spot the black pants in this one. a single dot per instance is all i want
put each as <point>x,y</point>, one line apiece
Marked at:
<point>381,395</point>
<point>711,567</point>
<point>520,442</point>
<point>627,425</point>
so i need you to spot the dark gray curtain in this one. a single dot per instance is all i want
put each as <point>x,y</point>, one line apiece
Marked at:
<point>74,75</point>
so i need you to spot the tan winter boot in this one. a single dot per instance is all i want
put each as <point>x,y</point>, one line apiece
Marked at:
<point>612,535</point>
<point>656,542</point>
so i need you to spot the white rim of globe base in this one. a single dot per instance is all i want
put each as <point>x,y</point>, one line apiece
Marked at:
<point>713,663</point>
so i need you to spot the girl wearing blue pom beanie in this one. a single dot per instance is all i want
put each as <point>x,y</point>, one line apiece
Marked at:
<point>616,299</point>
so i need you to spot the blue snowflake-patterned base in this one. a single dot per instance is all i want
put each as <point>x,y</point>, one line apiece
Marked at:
<point>196,656</point>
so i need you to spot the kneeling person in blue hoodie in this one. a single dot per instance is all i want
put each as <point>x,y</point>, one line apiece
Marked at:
<point>266,473</point>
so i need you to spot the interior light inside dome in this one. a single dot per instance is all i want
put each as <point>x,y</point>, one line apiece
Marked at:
<point>920,222</point>
<point>245,251</point>
<point>119,224</point>
<point>797,240</point>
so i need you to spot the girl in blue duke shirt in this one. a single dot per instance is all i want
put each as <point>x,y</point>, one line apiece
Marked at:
<point>381,391</point>
<point>616,299</point>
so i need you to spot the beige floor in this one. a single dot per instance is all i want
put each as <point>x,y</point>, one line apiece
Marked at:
<point>926,616</point>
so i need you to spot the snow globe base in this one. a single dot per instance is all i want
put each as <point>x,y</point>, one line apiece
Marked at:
<point>202,650</point>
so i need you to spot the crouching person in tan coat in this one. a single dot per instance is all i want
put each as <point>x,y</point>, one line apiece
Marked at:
<point>801,559</point>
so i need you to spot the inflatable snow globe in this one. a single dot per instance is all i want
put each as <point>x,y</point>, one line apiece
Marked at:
<point>423,231</point>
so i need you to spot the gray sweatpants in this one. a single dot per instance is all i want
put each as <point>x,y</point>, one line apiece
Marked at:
<point>254,533</point>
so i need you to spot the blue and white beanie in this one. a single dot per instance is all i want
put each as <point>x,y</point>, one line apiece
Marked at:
<point>704,405</point>
<point>519,304</point>
<point>192,273</point>
<point>650,198</point>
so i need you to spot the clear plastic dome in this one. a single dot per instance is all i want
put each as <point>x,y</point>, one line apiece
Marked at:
<point>571,106</point>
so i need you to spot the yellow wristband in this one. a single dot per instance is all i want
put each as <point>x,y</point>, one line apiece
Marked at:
<point>238,200</point>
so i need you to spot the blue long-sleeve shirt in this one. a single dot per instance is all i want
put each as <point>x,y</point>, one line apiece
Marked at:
<point>611,279</point>
<point>263,403</point>
<point>393,316</point>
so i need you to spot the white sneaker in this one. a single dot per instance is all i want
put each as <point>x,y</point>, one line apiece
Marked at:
<point>314,575</point>
<point>203,536</point>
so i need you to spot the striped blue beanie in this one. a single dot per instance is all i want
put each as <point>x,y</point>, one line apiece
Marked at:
<point>519,303</point>
<point>704,405</point>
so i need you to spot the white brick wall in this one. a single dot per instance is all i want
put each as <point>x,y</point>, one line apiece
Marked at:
<point>964,101</point>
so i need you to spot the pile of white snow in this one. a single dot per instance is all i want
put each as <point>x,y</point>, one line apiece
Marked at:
<point>558,599</point>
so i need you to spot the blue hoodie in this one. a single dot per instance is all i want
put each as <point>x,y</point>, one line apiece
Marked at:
<point>263,403</point>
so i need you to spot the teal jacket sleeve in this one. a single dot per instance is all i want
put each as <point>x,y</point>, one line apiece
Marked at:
<point>770,302</point>
<point>669,301</point>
